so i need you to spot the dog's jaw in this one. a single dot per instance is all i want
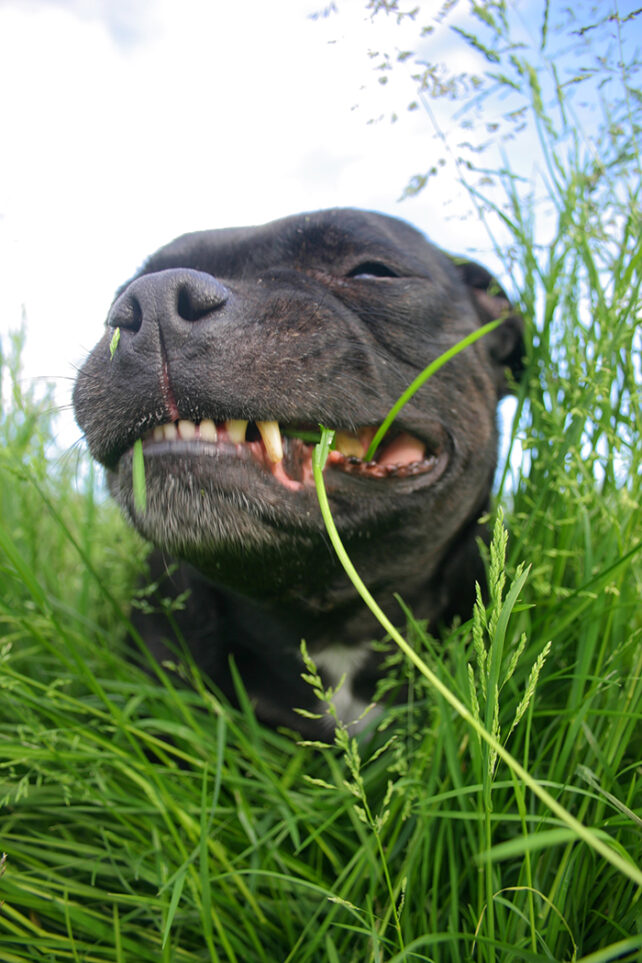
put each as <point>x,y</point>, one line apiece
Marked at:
<point>211,495</point>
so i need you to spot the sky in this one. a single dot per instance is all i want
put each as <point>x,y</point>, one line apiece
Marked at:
<point>128,123</point>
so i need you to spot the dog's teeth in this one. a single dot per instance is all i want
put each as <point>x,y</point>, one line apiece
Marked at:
<point>349,445</point>
<point>271,439</point>
<point>187,430</point>
<point>235,428</point>
<point>207,430</point>
<point>158,434</point>
<point>170,431</point>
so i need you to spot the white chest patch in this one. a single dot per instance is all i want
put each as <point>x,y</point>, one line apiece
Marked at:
<point>345,661</point>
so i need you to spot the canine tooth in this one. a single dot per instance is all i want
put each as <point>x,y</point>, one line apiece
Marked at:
<point>271,439</point>
<point>207,430</point>
<point>235,428</point>
<point>170,431</point>
<point>158,434</point>
<point>349,444</point>
<point>187,430</point>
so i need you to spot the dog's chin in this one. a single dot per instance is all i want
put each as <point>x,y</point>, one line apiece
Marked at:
<point>201,499</point>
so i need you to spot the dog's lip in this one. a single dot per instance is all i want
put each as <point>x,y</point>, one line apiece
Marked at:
<point>401,454</point>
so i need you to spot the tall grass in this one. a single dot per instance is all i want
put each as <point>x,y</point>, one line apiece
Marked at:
<point>145,820</point>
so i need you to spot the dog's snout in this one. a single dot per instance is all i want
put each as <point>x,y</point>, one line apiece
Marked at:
<point>168,299</point>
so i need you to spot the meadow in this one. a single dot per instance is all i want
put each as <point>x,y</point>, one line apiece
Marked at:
<point>495,816</point>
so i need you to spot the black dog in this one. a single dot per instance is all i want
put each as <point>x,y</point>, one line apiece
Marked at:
<point>231,341</point>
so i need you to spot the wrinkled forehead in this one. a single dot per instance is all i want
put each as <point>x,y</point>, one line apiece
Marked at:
<point>324,240</point>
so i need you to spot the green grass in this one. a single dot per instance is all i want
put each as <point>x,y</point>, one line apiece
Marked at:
<point>496,816</point>
<point>143,820</point>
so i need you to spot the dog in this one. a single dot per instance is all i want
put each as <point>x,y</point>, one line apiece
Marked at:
<point>233,345</point>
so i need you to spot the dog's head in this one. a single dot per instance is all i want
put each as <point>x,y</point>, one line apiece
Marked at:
<point>234,344</point>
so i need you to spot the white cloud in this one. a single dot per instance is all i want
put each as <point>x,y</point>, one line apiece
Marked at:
<point>218,114</point>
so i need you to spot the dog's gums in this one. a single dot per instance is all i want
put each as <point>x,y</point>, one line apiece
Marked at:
<point>401,455</point>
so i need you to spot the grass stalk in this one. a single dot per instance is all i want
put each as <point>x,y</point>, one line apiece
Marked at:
<point>588,836</point>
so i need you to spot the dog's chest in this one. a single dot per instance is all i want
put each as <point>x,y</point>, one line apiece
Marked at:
<point>339,666</point>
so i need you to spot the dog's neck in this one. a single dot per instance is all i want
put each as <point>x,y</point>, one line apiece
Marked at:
<point>313,598</point>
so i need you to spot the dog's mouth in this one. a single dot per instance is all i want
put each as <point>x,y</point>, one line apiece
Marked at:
<point>285,451</point>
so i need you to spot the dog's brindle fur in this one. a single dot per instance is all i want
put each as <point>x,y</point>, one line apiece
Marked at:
<point>317,318</point>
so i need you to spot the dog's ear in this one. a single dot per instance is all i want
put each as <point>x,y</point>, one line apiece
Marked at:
<point>506,343</point>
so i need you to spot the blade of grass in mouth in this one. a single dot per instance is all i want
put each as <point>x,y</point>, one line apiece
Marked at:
<point>138,477</point>
<point>310,436</point>
<point>421,378</point>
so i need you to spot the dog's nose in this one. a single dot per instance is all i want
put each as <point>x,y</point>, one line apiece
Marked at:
<point>168,299</point>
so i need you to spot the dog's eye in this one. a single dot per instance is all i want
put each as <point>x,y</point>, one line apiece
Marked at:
<point>372,269</point>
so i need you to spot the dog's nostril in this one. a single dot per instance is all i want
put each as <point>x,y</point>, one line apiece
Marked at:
<point>185,306</point>
<point>136,313</point>
<point>126,313</point>
<point>196,301</point>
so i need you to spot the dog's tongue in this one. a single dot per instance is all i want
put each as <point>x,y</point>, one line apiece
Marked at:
<point>402,450</point>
